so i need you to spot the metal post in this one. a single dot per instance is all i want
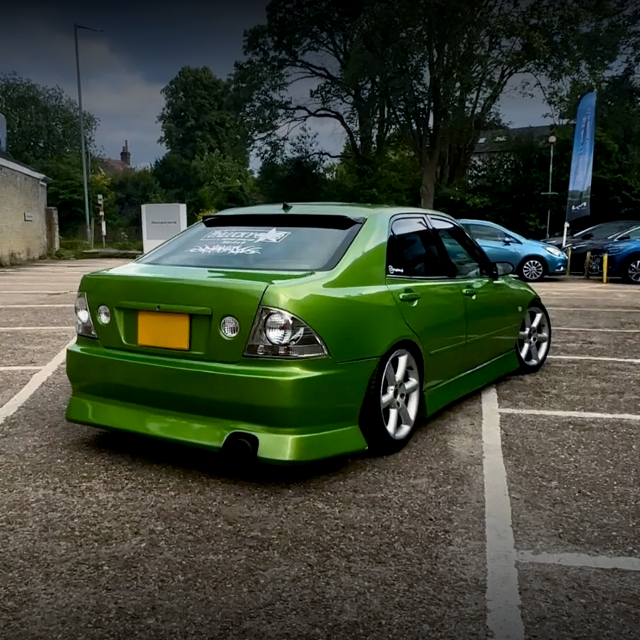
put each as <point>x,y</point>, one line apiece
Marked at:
<point>605,268</point>
<point>552,141</point>
<point>82,141</point>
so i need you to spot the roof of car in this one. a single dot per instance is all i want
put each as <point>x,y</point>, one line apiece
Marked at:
<point>335,208</point>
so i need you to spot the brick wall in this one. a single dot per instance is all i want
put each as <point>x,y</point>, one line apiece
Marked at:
<point>21,193</point>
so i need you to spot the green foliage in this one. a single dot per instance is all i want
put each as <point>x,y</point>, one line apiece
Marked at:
<point>43,123</point>
<point>132,189</point>
<point>199,116</point>
<point>206,165</point>
<point>226,182</point>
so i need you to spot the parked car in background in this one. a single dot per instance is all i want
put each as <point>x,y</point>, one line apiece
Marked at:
<point>579,250</point>
<point>597,232</point>
<point>624,259</point>
<point>532,260</point>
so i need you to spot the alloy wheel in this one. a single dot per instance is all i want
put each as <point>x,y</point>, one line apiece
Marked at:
<point>400,394</point>
<point>532,270</point>
<point>533,339</point>
<point>633,271</point>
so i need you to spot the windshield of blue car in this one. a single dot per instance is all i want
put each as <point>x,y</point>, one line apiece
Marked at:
<point>270,243</point>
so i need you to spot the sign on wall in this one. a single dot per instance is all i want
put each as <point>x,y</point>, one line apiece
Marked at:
<point>160,222</point>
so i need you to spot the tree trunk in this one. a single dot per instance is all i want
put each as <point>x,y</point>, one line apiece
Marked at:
<point>428,185</point>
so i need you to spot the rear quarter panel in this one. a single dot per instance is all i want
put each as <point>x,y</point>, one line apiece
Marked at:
<point>350,307</point>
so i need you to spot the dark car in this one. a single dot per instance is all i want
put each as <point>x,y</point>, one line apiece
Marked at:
<point>579,250</point>
<point>624,258</point>
<point>598,232</point>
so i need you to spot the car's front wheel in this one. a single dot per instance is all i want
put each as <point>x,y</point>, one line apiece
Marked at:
<point>631,270</point>
<point>534,338</point>
<point>532,269</point>
<point>392,406</point>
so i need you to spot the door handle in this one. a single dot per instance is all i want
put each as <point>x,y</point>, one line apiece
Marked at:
<point>470,293</point>
<point>409,296</point>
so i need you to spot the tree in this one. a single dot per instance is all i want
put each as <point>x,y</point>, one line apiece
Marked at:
<point>205,137</point>
<point>43,123</point>
<point>199,116</point>
<point>431,70</point>
<point>132,189</point>
<point>226,182</point>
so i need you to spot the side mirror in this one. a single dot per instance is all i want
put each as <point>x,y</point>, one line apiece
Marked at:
<point>624,238</point>
<point>502,269</point>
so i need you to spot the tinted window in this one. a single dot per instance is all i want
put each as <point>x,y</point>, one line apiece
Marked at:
<point>604,230</point>
<point>483,232</point>
<point>413,251</point>
<point>469,260</point>
<point>301,244</point>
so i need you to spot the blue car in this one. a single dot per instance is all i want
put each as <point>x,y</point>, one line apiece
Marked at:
<point>532,260</point>
<point>624,260</point>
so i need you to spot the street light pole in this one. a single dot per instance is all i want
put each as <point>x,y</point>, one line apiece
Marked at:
<point>552,141</point>
<point>82,139</point>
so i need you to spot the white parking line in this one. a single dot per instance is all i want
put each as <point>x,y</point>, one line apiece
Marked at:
<point>593,309</point>
<point>602,330</point>
<point>581,560</point>
<point>33,385</point>
<point>33,306</point>
<point>503,596</point>
<point>60,328</point>
<point>601,358</point>
<point>20,368</point>
<point>28,293</point>
<point>571,414</point>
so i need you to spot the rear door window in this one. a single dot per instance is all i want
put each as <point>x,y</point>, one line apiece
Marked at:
<point>413,250</point>
<point>262,242</point>
<point>470,261</point>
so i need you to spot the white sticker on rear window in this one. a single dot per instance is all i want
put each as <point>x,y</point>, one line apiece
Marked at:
<point>229,249</point>
<point>247,236</point>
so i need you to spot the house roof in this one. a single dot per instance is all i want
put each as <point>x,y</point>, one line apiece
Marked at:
<point>112,166</point>
<point>500,140</point>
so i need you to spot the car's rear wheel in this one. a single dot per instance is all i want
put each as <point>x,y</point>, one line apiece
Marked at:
<point>392,406</point>
<point>631,270</point>
<point>534,338</point>
<point>532,269</point>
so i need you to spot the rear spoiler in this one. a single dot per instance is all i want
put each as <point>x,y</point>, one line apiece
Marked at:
<point>313,221</point>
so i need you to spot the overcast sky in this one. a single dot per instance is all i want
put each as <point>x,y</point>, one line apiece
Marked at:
<point>144,44</point>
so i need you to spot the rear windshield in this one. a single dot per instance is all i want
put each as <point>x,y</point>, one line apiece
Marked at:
<point>260,242</point>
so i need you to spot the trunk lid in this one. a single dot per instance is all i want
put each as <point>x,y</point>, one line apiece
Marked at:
<point>204,296</point>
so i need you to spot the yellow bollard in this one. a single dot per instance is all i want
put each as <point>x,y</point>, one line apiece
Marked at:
<point>587,264</point>
<point>569,261</point>
<point>605,268</point>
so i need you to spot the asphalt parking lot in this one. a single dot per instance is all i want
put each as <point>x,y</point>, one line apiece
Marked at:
<point>513,514</point>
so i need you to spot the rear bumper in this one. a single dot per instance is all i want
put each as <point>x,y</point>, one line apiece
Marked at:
<point>298,411</point>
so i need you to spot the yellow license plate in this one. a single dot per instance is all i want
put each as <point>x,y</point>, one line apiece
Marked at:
<point>163,330</point>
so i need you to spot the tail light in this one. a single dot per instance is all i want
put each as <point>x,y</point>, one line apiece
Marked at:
<point>278,334</point>
<point>84,326</point>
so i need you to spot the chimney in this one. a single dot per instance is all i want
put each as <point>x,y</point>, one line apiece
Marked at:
<point>125,155</point>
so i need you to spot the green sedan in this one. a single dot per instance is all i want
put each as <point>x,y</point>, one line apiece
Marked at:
<point>299,332</point>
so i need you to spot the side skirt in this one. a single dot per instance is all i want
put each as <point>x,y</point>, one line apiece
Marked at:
<point>471,381</point>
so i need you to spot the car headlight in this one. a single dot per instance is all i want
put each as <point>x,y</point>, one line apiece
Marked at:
<point>84,326</point>
<point>554,251</point>
<point>278,334</point>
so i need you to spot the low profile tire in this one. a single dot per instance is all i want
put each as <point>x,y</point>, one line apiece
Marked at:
<point>533,269</point>
<point>393,403</point>
<point>631,270</point>
<point>534,338</point>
